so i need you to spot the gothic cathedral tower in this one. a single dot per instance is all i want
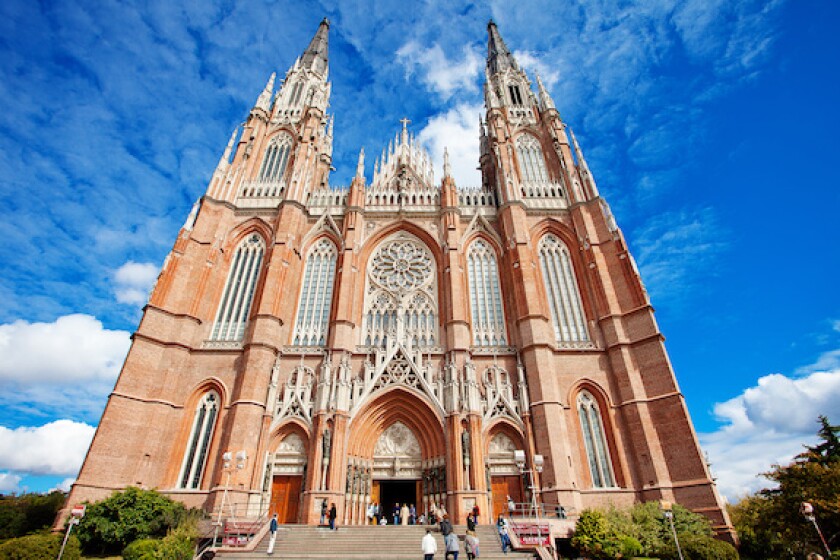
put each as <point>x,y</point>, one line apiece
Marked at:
<point>403,340</point>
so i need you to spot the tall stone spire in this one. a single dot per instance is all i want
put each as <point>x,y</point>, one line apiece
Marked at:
<point>316,56</point>
<point>499,58</point>
<point>545,99</point>
<point>264,100</point>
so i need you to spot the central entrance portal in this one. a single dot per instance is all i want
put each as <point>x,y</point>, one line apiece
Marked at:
<point>392,492</point>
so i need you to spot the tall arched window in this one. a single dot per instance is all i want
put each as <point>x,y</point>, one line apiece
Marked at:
<point>316,295</point>
<point>531,160</point>
<point>488,321</point>
<point>276,157</point>
<point>199,443</point>
<point>594,439</point>
<point>232,315</point>
<point>561,289</point>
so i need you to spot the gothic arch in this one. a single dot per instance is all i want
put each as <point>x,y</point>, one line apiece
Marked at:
<point>397,405</point>
<point>606,409</point>
<point>285,429</point>
<point>185,428</point>
<point>502,425</point>
<point>243,230</point>
<point>370,244</point>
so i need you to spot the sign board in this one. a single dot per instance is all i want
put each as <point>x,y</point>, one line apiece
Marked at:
<point>531,533</point>
<point>78,510</point>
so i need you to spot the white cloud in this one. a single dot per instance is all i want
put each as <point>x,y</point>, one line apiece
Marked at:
<point>9,483</point>
<point>74,348</point>
<point>441,75</point>
<point>64,485</point>
<point>134,281</point>
<point>768,424</point>
<point>57,448</point>
<point>64,368</point>
<point>534,63</point>
<point>457,130</point>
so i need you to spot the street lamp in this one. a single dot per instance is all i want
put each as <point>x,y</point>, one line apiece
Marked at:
<point>668,511</point>
<point>227,458</point>
<point>807,511</point>
<point>538,463</point>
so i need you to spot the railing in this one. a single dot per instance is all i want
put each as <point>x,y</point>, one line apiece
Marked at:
<point>472,199</point>
<point>333,198</point>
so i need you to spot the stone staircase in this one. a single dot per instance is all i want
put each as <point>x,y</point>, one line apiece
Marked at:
<point>304,542</point>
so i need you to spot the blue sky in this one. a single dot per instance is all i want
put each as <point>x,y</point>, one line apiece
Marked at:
<point>710,126</point>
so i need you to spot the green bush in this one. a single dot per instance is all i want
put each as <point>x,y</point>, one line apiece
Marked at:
<point>141,549</point>
<point>179,544</point>
<point>111,524</point>
<point>39,547</point>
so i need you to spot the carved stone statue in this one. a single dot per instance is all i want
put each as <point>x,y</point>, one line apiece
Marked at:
<point>465,446</point>
<point>326,444</point>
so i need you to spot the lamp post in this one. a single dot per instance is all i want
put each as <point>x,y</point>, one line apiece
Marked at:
<point>539,461</point>
<point>227,457</point>
<point>807,511</point>
<point>668,511</point>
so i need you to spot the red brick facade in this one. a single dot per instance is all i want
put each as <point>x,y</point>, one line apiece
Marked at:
<point>275,399</point>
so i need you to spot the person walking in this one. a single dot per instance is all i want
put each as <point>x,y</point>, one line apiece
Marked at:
<point>475,513</point>
<point>471,545</point>
<point>511,506</point>
<point>333,513</point>
<point>502,527</point>
<point>371,511</point>
<point>428,545</point>
<point>404,515</point>
<point>272,528</point>
<point>452,547</point>
<point>445,526</point>
<point>470,522</point>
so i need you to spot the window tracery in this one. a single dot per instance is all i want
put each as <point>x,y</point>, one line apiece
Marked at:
<point>276,158</point>
<point>531,160</point>
<point>316,295</point>
<point>567,314</point>
<point>198,445</point>
<point>594,440</point>
<point>488,321</point>
<point>232,315</point>
<point>401,294</point>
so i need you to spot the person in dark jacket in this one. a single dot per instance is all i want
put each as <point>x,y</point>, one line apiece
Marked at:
<point>333,516</point>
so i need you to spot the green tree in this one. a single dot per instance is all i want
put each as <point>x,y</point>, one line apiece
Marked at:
<point>769,522</point>
<point>111,524</point>
<point>28,513</point>
<point>592,533</point>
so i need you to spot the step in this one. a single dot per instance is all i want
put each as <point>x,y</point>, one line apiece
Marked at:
<point>303,542</point>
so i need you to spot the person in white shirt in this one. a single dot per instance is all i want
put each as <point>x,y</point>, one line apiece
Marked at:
<point>429,545</point>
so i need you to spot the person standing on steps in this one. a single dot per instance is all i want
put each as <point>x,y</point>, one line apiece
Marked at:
<point>272,528</point>
<point>333,515</point>
<point>428,545</point>
<point>471,545</point>
<point>404,514</point>
<point>452,547</point>
<point>324,512</point>
<point>395,513</point>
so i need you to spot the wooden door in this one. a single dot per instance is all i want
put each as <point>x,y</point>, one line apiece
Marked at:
<point>502,487</point>
<point>285,497</point>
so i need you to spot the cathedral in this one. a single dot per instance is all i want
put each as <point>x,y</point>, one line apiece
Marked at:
<point>401,340</point>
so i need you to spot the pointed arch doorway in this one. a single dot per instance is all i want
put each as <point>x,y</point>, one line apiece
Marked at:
<point>397,470</point>
<point>397,445</point>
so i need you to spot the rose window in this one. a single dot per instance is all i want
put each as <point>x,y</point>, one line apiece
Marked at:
<point>401,266</point>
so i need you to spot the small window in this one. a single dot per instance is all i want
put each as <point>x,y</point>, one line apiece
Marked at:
<point>515,96</point>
